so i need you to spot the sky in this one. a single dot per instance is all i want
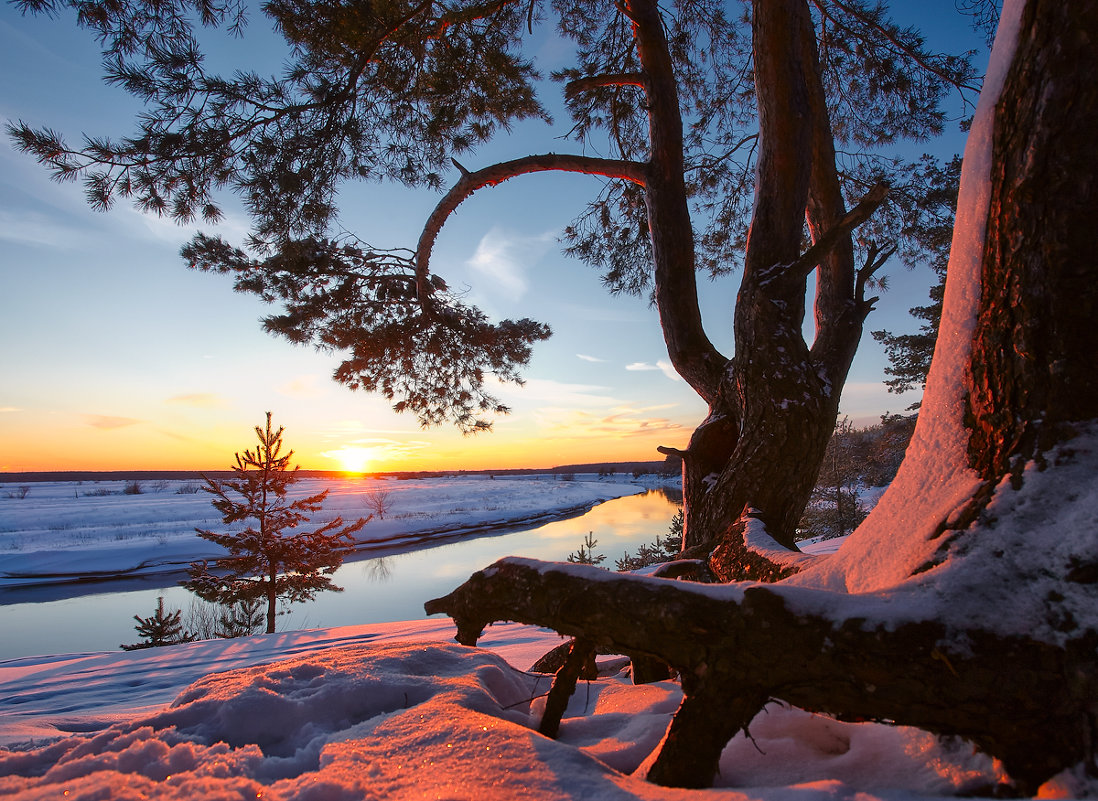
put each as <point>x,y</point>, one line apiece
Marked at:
<point>116,357</point>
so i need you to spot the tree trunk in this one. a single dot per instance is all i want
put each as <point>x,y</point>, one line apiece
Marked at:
<point>272,600</point>
<point>763,442</point>
<point>1034,350</point>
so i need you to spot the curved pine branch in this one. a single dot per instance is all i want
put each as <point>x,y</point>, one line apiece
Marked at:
<point>471,182</point>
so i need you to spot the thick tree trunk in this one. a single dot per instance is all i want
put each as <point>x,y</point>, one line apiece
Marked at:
<point>769,424</point>
<point>1036,344</point>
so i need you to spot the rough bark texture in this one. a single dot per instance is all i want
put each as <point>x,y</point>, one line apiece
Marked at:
<point>1025,702</point>
<point>1034,352</point>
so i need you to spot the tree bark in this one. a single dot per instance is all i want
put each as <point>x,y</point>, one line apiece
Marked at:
<point>769,424</point>
<point>1033,357</point>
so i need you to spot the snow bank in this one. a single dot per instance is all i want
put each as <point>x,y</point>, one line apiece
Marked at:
<point>390,711</point>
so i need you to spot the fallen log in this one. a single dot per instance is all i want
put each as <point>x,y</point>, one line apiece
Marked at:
<point>1029,703</point>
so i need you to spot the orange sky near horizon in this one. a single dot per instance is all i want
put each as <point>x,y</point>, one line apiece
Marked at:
<point>142,447</point>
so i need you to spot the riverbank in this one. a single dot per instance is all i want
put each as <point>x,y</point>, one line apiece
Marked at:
<point>64,532</point>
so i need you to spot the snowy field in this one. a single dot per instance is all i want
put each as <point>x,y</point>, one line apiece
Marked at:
<point>63,531</point>
<point>392,710</point>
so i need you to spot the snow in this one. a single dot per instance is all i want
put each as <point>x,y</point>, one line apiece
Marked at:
<point>398,711</point>
<point>393,711</point>
<point>62,529</point>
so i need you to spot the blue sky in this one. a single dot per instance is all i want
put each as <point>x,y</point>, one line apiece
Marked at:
<point>117,357</point>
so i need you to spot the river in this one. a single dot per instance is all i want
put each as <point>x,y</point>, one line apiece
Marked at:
<point>99,617</point>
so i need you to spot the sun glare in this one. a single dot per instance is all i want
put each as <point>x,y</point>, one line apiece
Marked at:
<point>352,459</point>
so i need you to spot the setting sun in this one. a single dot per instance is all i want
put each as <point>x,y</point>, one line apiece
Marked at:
<point>352,459</point>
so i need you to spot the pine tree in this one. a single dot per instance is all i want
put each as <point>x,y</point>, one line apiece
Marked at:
<point>586,553</point>
<point>159,629</point>
<point>265,562</point>
<point>240,619</point>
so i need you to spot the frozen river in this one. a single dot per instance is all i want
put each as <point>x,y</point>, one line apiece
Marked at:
<point>382,586</point>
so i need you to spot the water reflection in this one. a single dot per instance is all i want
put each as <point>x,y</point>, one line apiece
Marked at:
<point>377,588</point>
<point>379,570</point>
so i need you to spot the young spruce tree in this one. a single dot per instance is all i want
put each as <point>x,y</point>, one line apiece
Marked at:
<point>265,562</point>
<point>160,628</point>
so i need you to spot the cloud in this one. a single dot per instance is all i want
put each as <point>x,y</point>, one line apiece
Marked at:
<point>587,358</point>
<point>622,422</point>
<point>662,365</point>
<point>668,370</point>
<point>202,400</point>
<point>30,228</point>
<point>558,393</point>
<point>502,258</point>
<point>10,409</point>
<point>108,423</point>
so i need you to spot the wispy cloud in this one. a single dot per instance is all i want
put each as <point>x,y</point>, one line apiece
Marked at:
<point>30,228</point>
<point>558,393</point>
<point>622,422</point>
<point>10,409</point>
<point>662,365</point>
<point>109,423</point>
<point>668,370</point>
<point>202,400</point>
<point>502,258</point>
<point>587,358</point>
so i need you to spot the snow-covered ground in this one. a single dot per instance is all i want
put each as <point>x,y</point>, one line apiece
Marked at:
<point>389,710</point>
<point>398,711</point>
<point>394,710</point>
<point>61,531</point>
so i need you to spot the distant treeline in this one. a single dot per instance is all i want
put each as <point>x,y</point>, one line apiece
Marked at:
<point>601,468</point>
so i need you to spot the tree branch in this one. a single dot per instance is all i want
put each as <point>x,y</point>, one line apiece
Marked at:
<point>590,82</point>
<point>874,260</point>
<point>834,235</point>
<point>495,174</point>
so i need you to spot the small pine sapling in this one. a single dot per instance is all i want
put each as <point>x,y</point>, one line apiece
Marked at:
<point>265,562</point>
<point>662,549</point>
<point>586,554</point>
<point>240,619</point>
<point>161,628</point>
